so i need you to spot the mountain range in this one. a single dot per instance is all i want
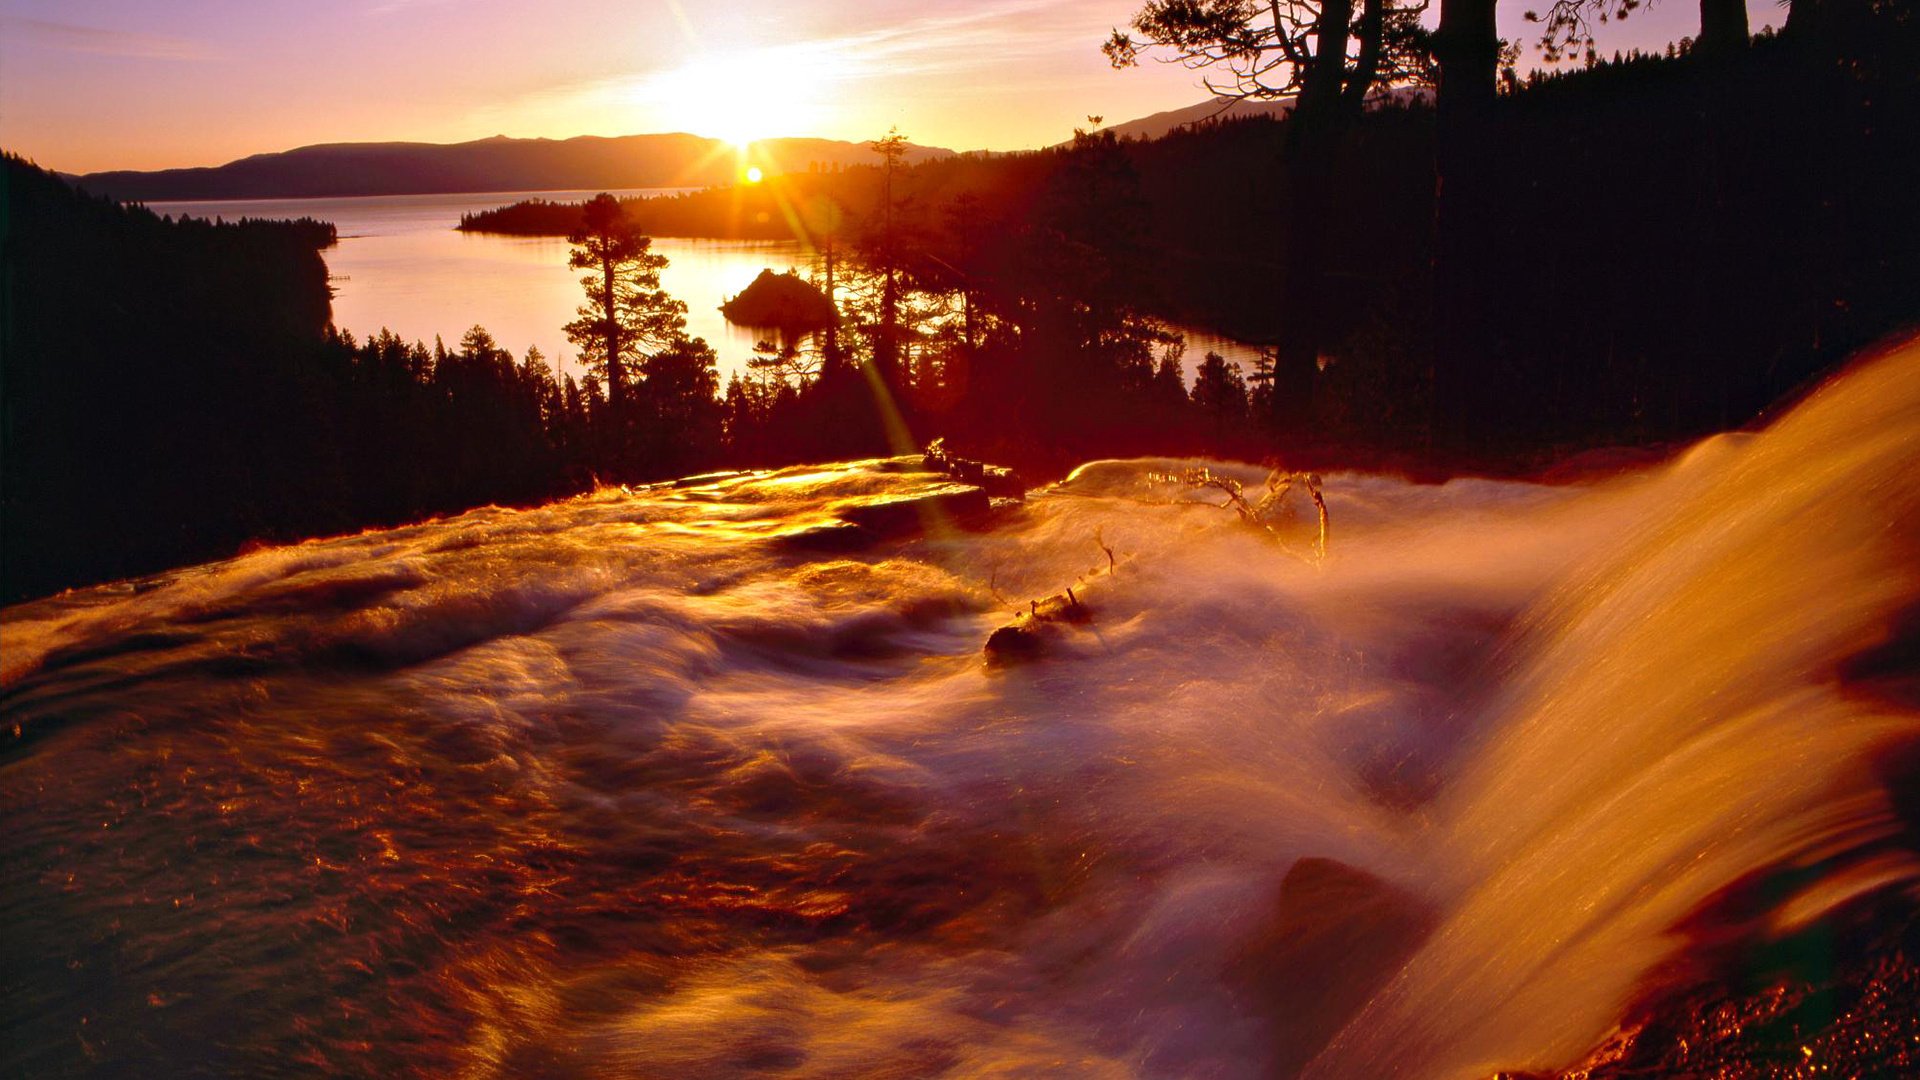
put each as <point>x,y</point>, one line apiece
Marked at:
<point>1221,108</point>
<point>1225,108</point>
<point>587,162</point>
<point>500,163</point>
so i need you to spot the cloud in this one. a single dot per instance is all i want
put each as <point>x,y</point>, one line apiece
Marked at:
<point>89,39</point>
<point>966,40</point>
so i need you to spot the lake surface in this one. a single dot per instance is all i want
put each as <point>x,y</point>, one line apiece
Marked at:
<point>401,265</point>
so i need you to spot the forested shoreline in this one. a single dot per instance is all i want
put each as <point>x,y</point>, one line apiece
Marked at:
<point>1661,245</point>
<point>1656,247</point>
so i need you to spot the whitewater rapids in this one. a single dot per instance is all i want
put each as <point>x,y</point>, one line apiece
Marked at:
<point>693,781</point>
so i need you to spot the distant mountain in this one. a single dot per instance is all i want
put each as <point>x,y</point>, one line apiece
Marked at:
<point>496,164</point>
<point>1162,123</point>
<point>1223,108</point>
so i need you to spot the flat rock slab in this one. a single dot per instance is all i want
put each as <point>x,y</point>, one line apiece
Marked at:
<point>913,514</point>
<point>860,525</point>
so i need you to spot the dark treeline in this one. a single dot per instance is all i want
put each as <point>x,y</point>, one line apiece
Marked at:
<point>156,375</point>
<point>174,391</point>
<point>1654,247</point>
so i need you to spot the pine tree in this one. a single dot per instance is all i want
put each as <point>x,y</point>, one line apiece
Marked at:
<point>626,310</point>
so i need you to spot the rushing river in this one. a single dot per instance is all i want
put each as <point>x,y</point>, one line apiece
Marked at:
<point>649,784</point>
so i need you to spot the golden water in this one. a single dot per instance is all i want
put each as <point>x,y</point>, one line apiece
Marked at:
<point>636,785</point>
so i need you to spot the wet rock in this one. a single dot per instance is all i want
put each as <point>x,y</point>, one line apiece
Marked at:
<point>861,525</point>
<point>704,479</point>
<point>1840,1000</point>
<point>910,514</point>
<point>829,537</point>
<point>905,463</point>
<point>1337,933</point>
<point>1026,636</point>
<point>995,480</point>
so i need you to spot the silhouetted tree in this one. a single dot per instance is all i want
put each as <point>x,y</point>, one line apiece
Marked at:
<point>626,310</point>
<point>1322,52</point>
<point>1220,391</point>
<point>1567,26</point>
<point>886,254</point>
<point>680,394</point>
<point>1467,49</point>
<point>1329,60</point>
<point>824,217</point>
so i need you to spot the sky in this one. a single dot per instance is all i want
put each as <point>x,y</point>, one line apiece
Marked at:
<point>148,84</point>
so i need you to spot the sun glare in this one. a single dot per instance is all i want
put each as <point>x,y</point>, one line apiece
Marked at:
<point>754,175</point>
<point>741,96</point>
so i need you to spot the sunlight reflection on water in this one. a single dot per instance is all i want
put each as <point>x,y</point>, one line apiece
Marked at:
<point>400,264</point>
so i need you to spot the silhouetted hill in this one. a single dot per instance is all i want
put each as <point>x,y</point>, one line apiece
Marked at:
<point>495,164</point>
<point>1160,124</point>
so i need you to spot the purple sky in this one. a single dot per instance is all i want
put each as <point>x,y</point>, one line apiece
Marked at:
<point>99,84</point>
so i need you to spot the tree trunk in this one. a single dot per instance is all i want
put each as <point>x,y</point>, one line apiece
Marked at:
<point>1312,139</point>
<point>830,351</point>
<point>1366,67</point>
<point>1801,14</point>
<point>1468,50</point>
<point>607,294</point>
<point>1723,26</point>
<point>886,351</point>
<point>1303,194</point>
<point>1325,79</point>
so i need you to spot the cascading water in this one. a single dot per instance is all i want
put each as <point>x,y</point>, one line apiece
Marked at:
<point>647,783</point>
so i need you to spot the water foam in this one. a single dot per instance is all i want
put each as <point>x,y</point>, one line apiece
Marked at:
<point>633,782</point>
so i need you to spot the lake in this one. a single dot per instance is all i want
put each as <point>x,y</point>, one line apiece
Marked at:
<point>400,264</point>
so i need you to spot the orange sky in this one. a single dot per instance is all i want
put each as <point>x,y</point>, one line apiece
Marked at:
<point>140,84</point>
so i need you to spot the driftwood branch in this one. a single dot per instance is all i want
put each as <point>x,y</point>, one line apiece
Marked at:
<point>1260,515</point>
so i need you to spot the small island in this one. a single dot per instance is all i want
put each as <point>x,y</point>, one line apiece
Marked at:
<point>785,302</point>
<point>747,212</point>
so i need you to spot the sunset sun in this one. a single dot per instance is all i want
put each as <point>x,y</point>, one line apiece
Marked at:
<point>741,97</point>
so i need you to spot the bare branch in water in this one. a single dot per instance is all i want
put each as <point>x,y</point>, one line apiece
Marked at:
<point>1262,514</point>
<point>1104,546</point>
